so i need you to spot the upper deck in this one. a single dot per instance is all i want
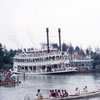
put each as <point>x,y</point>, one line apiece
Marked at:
<point>41,56</point>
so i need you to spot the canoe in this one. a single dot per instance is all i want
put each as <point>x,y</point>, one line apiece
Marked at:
<point>70,97</point>
<point>3,83</point>
<point>89,95</point>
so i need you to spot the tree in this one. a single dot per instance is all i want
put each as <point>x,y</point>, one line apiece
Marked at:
<point>82,52</point>
<point>87,52</point>
<point>71,50</point>
<point>96,58</point>
<point>77,49</point>
<point>64,47</point>
<point>55,45</point>
<point>1,56</point>
<point>6,58</point>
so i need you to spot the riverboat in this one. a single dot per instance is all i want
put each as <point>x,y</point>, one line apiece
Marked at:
<point>70,97</point>
<point>45,61</point>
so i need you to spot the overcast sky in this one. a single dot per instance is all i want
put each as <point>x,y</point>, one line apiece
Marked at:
<point>23,22</point>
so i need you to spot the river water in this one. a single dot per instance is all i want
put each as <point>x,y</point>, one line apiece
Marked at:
<point>30,84</point>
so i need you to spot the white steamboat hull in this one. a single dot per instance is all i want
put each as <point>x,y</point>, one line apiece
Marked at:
<point>48,73</point>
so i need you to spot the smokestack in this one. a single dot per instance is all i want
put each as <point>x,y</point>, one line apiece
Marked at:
<point>59,31</point>
<point>47,30</point>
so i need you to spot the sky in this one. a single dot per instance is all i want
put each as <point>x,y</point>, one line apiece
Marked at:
<point>23,23</point>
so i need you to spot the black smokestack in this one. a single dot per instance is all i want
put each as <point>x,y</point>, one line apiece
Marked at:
<point>47,30</point>
<point>59,31</point>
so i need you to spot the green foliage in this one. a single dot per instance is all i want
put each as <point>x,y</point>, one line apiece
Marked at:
<point>1,56</point>
<point>6,57</point>
<point>96,58</point>
<point>77,49</point>
<point>71,50</point>
<point>87,52</point>
<point>64,47</point>
<point>55,45</point>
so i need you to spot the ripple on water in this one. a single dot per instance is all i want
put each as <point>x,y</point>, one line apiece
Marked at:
<point>46,82</point>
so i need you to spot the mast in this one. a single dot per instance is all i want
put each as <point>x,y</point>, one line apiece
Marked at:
<point>59,31</point>
<point>47,31</point>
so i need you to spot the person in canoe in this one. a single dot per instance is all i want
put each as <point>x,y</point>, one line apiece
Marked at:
<point>65,93</point>
<point>59,93</point>
<point>86,90</point>
<point>51,93</point>
<point>77,92</point>
<point>39,95</point>
<point>56,91</point>
<point>62,93</point>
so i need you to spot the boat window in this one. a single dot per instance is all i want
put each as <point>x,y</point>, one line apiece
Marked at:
<point>43,67</point>
<point>55,66</point>
<point>65,57</point>
<point>25,60</point>
<point>53,57</point>
<point>46,58</point>
<point>62,57</point>
<point>82,64</point>
<point>41,59</point>
<point>49,58</point>
<point>37,59</point>
<point>22,67</point>
<point>26,68</point>
<point>34,67</point>
<point>57,57</point>
<point>30,68</point>
<point>19,68</point>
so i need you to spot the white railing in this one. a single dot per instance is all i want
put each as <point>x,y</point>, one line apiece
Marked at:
<point>38,54</point>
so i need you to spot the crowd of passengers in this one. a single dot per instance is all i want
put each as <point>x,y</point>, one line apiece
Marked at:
<point>54,93</point>
<point>7,77</point>
<point>58,93</point>
<point>63,93</point>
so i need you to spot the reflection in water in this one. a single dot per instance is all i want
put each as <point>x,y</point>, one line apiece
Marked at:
<point>31,83</point>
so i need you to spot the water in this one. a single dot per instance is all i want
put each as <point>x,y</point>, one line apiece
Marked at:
<point>30,84</point>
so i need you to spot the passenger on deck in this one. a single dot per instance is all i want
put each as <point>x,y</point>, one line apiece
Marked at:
<point>77,92</point>
<point>66,93</point>
<point>39,95</point>
<point>13,77</point>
